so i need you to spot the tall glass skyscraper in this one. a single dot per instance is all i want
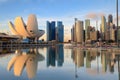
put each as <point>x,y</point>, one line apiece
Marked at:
<point>50,30</point>
<point>103,27</point>
<point>79,31</point>
<point>87,30</point>
<point>110,18</point>
<point>72,33</point>
<point>60,31</point>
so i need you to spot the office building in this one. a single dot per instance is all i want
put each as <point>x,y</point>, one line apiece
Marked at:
<point>112,32</point>
<point>103,27</point>
<point>72,34</point>
<point>87,30</point>
<point>93,34</point>
<point>51,31</point>
<point>110,19</point>
<point>60,32</point>
<point>79,31</point>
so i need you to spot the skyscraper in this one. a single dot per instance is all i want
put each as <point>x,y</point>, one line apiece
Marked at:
<point>53,30</point>
<point>79,31</point>
<point>87,30</point>
<point>60,31</point>
<point>103,26</point>
<point>72,33</point>
<point>110,18</point>
<point>50,30</point>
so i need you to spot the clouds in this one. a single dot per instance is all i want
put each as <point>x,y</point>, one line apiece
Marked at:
<point>94,16</point>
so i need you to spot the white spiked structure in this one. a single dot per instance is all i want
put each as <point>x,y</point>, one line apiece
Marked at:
<point>30,30</point>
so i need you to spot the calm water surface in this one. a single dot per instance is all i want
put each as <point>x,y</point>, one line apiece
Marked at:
<point>57,63</point>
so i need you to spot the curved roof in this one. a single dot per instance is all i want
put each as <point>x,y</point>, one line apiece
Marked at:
<point>21,27</point>
<point>32,25</point>
<point>30,30</point>
<point>12,28</point>
<point>40,33</point>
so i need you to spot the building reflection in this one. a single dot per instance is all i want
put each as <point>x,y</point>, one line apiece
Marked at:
<point>79,56</point>
<point>100,61</point>
<point>118,59</point>
<point>5,50</point>
<point>55,54</point>
<point>88,59</point>
<point>104,61</point>
<point>25,58</point>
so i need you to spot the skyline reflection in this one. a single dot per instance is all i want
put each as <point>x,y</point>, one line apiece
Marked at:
<point>55,54</point>
<point>89,62</point>
<point>107,60</point>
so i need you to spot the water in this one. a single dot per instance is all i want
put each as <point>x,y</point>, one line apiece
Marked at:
<point>57,63</point>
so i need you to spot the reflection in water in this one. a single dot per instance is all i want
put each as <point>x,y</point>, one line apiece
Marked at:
<point>25,58</point>
<point>88,63</point>
<point>88,59</point>
<point>108,60</point>
<point>55,54</point>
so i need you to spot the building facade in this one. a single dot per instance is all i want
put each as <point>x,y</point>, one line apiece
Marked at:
<point>87,30</point>
<point>60,31</point>
<point>51,30</point>
<point>79,31</point>
<point>103,27</point>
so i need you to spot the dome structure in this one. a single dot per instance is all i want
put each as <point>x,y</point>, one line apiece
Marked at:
<point>26,31</point>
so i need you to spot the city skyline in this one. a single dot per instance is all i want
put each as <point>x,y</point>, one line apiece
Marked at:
<point>52,11</point>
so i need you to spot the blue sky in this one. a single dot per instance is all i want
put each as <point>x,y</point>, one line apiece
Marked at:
<point>64,10</point>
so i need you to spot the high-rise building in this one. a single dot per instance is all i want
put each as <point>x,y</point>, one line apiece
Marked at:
<point>107,34</point>
<point>53,30</point>
<point>110,18</point>
<point>93,35</point>
<point>50,30</point>
<point>109,29</point>
<point>112,32</point>
<point>79,31</point>
<point>103,26</point>
<point>72,33</point>
<point>87,30</point>
<point>60,31</point>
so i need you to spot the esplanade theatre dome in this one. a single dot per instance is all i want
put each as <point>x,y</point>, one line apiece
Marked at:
<point>29,30</point>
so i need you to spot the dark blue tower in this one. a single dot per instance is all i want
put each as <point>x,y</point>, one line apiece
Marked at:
<point>60,29</point>
<point>53,30</point>
<point>50,30</point>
